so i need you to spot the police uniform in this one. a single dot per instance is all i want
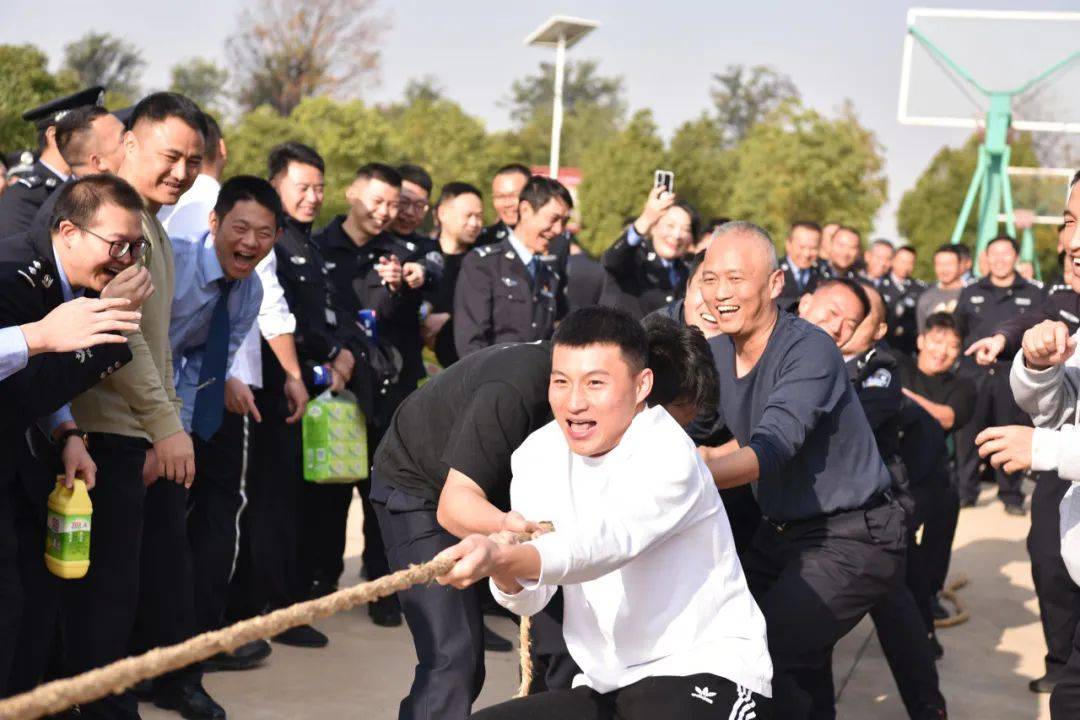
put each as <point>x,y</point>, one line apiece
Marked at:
<point>494,233</point>
<point>902,618</point>
<point>352,274</point>
<point>498,300</point>
<point>1059,596</point>
<point>638,280</point>
<point>901,299</point>
<point>793,289</point>
<point>20,202</point>
<point>983,307</point>
<point>30,288</point>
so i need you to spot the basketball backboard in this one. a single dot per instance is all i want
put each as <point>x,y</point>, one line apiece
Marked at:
<point>954,60</point>
<point>1040,193</point>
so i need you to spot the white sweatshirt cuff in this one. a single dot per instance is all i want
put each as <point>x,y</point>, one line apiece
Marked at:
<point>1045,450</point>
<point>554,558</point>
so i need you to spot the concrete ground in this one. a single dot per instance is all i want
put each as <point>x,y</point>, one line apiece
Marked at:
<point>366,670</point>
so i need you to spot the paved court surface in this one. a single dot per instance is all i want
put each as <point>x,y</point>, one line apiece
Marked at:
<point>988,661</point>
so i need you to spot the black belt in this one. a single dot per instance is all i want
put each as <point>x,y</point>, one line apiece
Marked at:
<point>882,498</point>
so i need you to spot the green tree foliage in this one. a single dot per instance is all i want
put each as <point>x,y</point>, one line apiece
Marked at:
<point>744,96</point>
<point>25,83</point>
<point>201,80</point>
<point>800,164</point>
<point>104,59</point>
<point>593,110</point>
<point>703,166</point>
<point>617,175</point>
<point>928,212</point>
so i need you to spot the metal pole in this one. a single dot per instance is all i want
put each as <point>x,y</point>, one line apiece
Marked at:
<point>556,111</point>
<point>969,199</point>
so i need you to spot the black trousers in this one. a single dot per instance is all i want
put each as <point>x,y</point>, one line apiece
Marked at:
<point>99,609</point>
<point>994,406</point>
<point>166,614</point>
<point>446,624</point>
<point>1065,700</point>
<point>214,506</point>
<point>939,530</point>
<point>1059,596</point>
<point>266,574</point>
<point>695,697</point>
<point>814,580</point>
<point>29,593</point>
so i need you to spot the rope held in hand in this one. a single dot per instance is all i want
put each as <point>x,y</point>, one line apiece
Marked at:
<point>117,677</point>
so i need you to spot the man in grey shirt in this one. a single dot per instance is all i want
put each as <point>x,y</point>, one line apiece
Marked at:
<point>942,296</point>
<point>802,439</point>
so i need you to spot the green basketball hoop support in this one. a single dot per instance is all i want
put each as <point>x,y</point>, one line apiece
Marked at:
<point>990,184</point>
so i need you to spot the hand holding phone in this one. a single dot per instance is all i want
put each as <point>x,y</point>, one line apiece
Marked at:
<point>665,179</point>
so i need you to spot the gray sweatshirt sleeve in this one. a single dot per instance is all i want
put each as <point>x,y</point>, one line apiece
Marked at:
<point>1050,395</point>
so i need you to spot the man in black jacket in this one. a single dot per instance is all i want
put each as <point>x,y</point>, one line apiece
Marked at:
<point>96,240</point>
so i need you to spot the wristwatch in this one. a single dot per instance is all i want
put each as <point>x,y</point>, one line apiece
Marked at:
<point>72,432</point>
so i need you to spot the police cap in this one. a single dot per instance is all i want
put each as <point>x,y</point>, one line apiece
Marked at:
<point>50,113</point>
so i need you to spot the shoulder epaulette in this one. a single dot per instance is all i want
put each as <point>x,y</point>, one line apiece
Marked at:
<point>31,181</point>
<point>485,250</point>
<point>33,272</point>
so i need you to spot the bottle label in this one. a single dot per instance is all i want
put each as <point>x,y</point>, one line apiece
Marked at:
<point>68,537</point>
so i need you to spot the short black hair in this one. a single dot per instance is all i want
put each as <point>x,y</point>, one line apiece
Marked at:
<point>379,171</point>
<point>952,249</point>
<point>695,264</point>
<point>944,321</point>
<point>808,224</point>
<point>882,242</point>
<point>416,175</point>
<point>452,190</point>
<point>682,364</point>
<point>1005,238</point>
<point>713,223</point>
<point>160,106</point>
<point>908,248</point>
<point>539,190</point>
<point>849,229</point>
<point>854,286</point>
<point>292,152</point>
<point>213,139</point>
<point>599,325</point>
<point>74,129</point>
<point>80,200</point>
<point>514,169</point>
<point>963,251</point>
<point>248,187</point>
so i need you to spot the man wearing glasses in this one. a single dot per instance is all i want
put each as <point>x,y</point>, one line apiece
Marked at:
<point>94,244</point>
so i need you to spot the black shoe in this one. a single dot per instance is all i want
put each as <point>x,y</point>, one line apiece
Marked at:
<point>939,611</point>
<point>191,701</point>
<point>244,657</point>
<point>303,636</point>
<point>1043,686</point>
<point>493,642</point>
<point>1015,509</point>
<point>385,612</point>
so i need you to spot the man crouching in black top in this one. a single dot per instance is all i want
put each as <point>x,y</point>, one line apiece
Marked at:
<point>833,541</point>
<point>442,472</point>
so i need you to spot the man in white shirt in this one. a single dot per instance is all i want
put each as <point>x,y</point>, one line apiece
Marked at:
<point>657,613</point>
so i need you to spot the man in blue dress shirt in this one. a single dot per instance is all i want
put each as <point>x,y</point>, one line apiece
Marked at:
<point>217,300</point>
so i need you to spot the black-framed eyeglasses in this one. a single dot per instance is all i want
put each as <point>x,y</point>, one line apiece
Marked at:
<point>120,248</point>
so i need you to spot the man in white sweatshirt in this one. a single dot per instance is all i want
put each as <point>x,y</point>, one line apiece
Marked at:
<point>657,613</point>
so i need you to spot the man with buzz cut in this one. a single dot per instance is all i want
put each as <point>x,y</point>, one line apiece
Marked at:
<point>656,610</point>
<point>800,433</point>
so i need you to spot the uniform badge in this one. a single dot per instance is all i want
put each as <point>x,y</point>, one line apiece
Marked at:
<point>47,281</point>
<point>510,282</point>
<point>977,299</point>
<point>509,255</point>
<point>880,378</point>
<point>27,278</point>
<point>1023,301</point>
<point>1069,317</point>
<point>651,256</point>
<point>297,259</point>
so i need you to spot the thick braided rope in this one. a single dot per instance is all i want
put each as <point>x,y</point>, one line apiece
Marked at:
<point>115,678</point>
<point>525,655</point>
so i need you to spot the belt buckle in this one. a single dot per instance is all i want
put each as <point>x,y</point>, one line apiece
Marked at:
<point>779,527</point>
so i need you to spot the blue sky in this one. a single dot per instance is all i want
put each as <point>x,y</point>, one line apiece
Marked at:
<point>666,51</point>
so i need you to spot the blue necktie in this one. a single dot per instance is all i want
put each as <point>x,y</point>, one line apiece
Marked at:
<point>803,278</point>
<point>209,405</point>
<point>534,268</point>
